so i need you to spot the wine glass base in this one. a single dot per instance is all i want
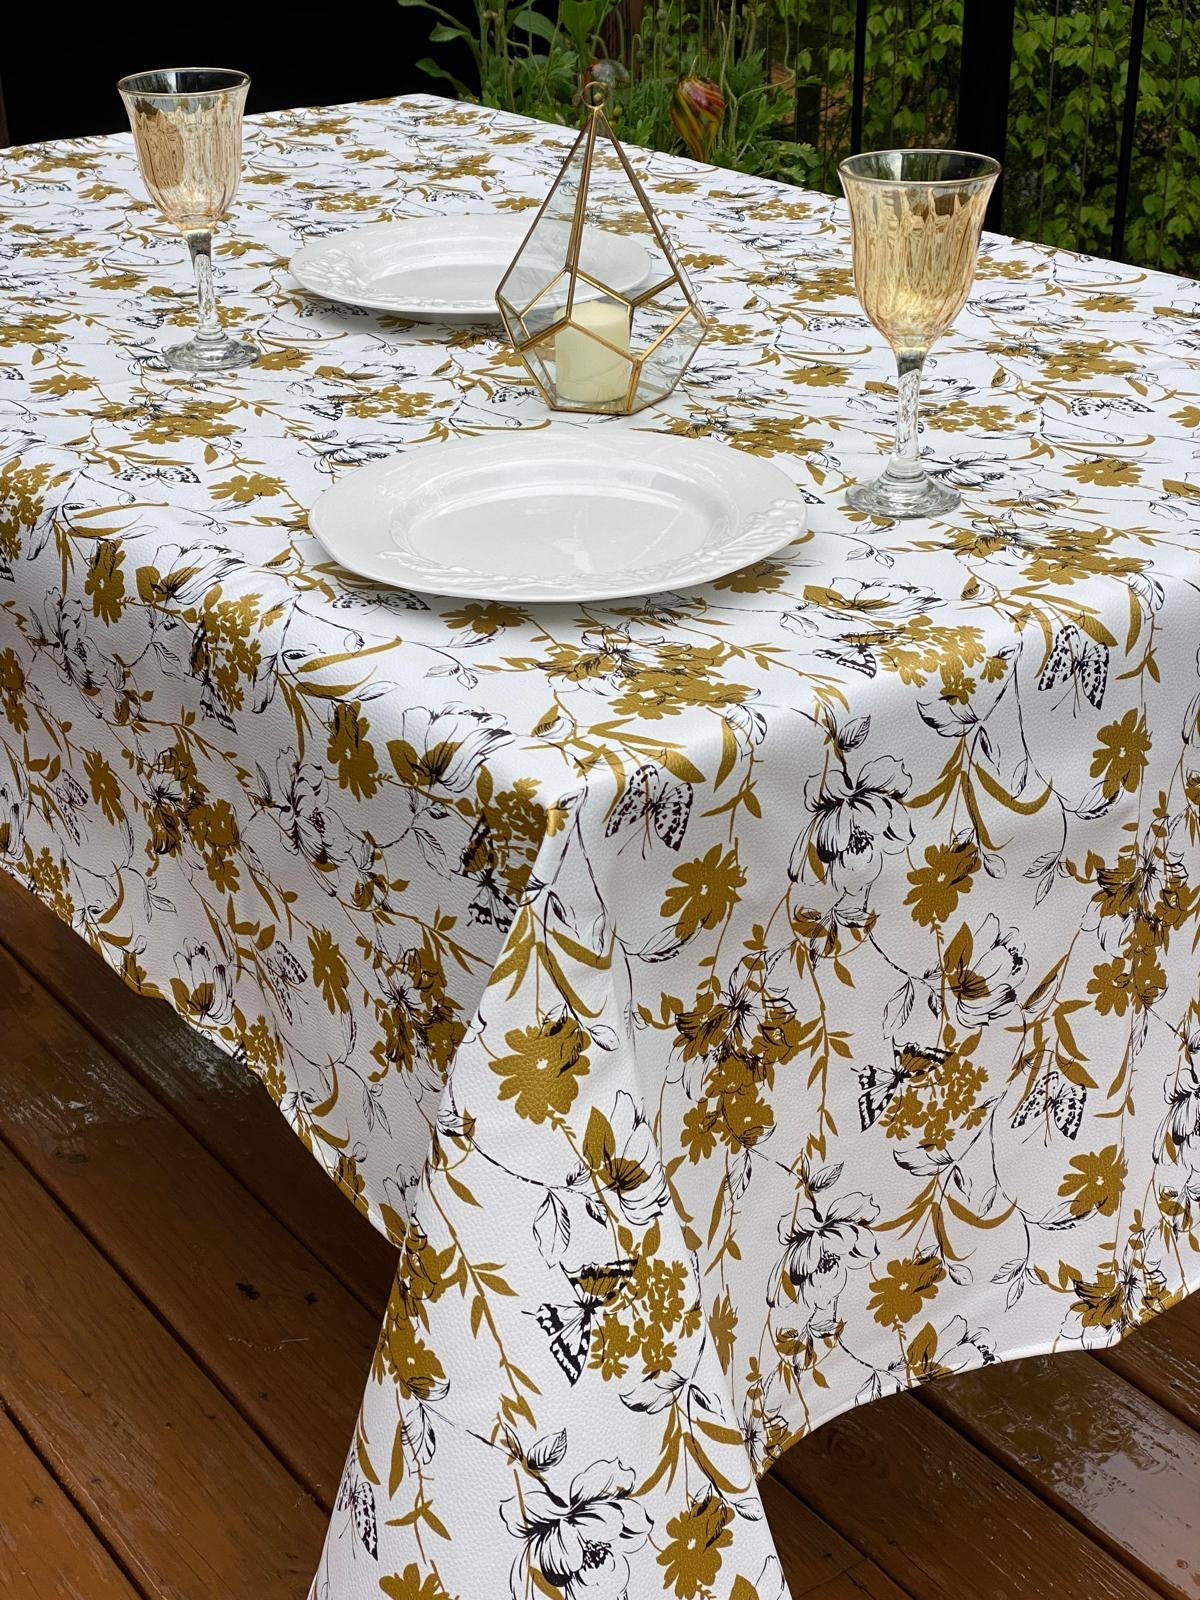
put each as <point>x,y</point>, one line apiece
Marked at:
<point>898,498</point>
<point>211,355</point>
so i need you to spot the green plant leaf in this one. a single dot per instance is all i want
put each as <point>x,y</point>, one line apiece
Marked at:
<point>432,69</point>
<point>528,20</point>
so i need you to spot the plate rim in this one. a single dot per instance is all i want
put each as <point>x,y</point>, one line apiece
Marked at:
<point>782,500</point>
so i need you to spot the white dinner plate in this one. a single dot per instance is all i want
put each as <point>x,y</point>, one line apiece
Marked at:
<point>446,269</point>
<point>547,514</point>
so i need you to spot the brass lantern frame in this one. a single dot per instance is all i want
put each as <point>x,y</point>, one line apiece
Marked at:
<point>514,317</point>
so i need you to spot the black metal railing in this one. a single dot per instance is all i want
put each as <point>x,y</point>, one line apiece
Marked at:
<point>1133,74</point>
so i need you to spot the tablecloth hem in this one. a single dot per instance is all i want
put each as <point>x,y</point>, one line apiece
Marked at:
<point>1028,1352</point>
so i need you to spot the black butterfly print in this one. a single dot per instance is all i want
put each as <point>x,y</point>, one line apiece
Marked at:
<point>1074,657</point>
<point>491,906</point>
<point>879,1087</point>
<point>358,1498</point>
<point>1059,1098</point>
<point>137,474</point>
<point>855,654</point>
<point>656,798</point>
<point>570,1327</point>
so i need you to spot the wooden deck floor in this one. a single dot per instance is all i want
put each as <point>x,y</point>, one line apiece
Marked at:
<point>187,1312</point>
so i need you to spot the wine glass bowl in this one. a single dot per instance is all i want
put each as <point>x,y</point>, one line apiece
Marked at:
<point>915,221</point>
<point>187,131</point>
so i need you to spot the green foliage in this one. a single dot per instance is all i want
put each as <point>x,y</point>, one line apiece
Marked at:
<point>785,68</point>
<point>912,61</point>
<point>1068,90</point>
<point>533,61</point>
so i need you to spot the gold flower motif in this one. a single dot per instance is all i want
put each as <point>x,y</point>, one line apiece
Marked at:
<point>942,881</point>
<point>410,1585</point>
<point>695,1539</point>
<point>351,751</point>
<point>329,970</point>
<point>541,1076</point>
<point>104,785</point>
<point>1095,1181</point>
<point>485,617</point>
<point>901,1292</point>
<point>705,891</point>
<point>1121,751</point>
<point>105,581</point>
<point>1109,471</point>
<point>1109,986</point>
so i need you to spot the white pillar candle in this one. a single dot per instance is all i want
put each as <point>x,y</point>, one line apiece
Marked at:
<point>587,372</point>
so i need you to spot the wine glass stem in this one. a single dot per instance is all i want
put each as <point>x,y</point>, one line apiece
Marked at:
<point>905,462</point>
<point>210,330</point>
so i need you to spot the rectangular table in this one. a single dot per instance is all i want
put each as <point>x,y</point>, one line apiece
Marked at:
<point>736,1005</point>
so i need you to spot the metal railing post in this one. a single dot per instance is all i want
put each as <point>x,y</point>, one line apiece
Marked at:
<point>1133,73</point>
<point>983,85</point>
<point>859,87</point>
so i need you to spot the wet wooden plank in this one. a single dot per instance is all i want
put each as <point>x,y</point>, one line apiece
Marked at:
<point>1163,1360</point>
<point>287,1343</point>
<point>219,1102</point>
<point>184,1492</point>
<point>47,1550</point>
<point>942,1519</point>
<point>1096,1448</point>
<point>817,1562</point>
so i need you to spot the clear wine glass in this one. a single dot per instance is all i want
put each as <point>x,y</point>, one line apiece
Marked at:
<point>915,220</point>
<point>187,129</point>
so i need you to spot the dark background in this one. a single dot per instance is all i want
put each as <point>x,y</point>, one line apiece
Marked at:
<point>295,55</point>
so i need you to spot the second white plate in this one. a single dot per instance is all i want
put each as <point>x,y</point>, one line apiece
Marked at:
<point>550,515</point>
<point>445,269</point>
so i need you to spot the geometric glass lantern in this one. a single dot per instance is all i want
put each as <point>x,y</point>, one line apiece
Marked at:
<point>595,302</point>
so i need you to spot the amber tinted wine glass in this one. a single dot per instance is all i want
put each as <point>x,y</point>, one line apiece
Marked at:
<point>915,218</point>
<point>187,129</point>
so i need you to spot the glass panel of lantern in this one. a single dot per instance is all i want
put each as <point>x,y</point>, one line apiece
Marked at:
<point>596,303</point>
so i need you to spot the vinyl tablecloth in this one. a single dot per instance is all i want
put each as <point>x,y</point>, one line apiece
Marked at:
<point>736,1005</point>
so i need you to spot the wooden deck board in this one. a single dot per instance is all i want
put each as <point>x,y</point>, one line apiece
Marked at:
<point>1163,1360</point>
<point>947,1497</point>
<point>819,1563</point>
<point>1096,1448</point>
<point>282,1338</point>
<point>47,1550</point>
<point>186,1494</point>
<point>942,1519</point>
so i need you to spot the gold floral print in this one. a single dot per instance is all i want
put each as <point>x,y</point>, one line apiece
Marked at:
<point>12,691</point>
<point>541,1074</point>
<point>351,751</point>
<point>411,1585</point>
<point>692,1555</point>
<point>1106,471</point>
<point>329,970</point>
<point>1121,751</point>
<point>1095,1182</point>
<point>648,1322</point>
<point>47,877</point>
<point>704,891</point>
<point>106,582</point>
<point>901,1293</point>
<point>945,876</point>
<point>103,785</point>
<point>485,618</point>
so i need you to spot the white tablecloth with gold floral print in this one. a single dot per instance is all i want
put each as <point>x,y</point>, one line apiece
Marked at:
<point>736,1005</point>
